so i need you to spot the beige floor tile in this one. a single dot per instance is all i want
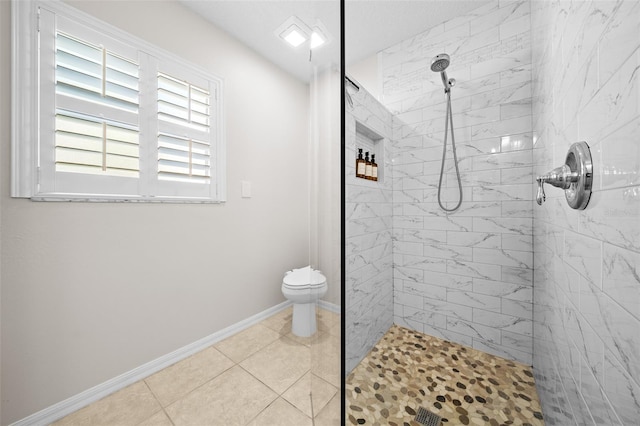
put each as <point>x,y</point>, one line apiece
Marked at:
<point>128,406</point>
<point>321,392</point>
<point>176,381</point>
<point>327,319</point>
<point>306,341</point>
<point>330,414</point>
<point>241,345</point>
<point>158,419</point>
<point>325,359</point>
<point>280,364</point>
<point>281,413</point>
<point>280,322</point>
<point>336,330</point>
<point>244,344</point>
<point>231,399</point>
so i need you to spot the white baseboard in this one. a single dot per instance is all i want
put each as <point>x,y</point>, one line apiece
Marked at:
<point>329,306</point>
<point>76,402</point>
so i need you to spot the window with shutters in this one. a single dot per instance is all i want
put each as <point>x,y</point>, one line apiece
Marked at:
<point>109,117</point>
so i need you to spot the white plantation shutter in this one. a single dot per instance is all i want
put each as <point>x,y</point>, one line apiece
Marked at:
<point>92,73</point>
<point>93,145</point>
<point>183,109</point>
<point>118,118</point>
<point>183,159</point>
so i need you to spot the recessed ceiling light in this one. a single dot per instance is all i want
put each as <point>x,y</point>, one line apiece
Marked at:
<point>293,31</point>
<point>317,39</point>
<point>320,36</point>
<point>294,36</point>
<point>296,33</point>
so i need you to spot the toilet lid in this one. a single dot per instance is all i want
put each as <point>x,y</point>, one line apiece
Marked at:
<point>304,277</point>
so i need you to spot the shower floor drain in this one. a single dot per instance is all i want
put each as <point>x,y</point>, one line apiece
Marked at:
<point>427,418</point>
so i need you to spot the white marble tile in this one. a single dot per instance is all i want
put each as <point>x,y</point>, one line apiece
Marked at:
<point>515,26</point>
<point>517,292</point>
<point>424,263</point>
<point>622,391</point>
<point>516,75</point>
<point>474,330</point>
<point>517,242</point>
<point>506,160</point>
<point>502,192</point>
<point>612,216</point>
<point>474,239</point>
<point>448,335</point>
<point>474,300</point>
<point>449,223</point>
<point>507,225</point>
<point>584,254</point>
<point>503,351</point>
<point>432,319</point>
<point>518,59</point>
<point>614,325</point>
<point>448,252</point>
<point>502,95</point>
<point>516,109</point>
<point>510,323</point>
<point>495,16</point>
<point>473,269</point>
<point>449,309</point>
<point>619,40</point>
<point>621,277</point>
<point>517,209</point>
<point>599,407</point>
<point>522,276</point>
<point>518,259</point>
<point>517,308</point>
<point>617,102</point>
<point>619,164</point>
<point>423,289</point>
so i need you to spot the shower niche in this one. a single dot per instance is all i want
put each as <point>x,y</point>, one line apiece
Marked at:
<point>372,143</point>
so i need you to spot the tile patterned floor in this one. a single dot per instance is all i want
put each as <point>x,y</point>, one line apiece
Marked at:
<point>258,377</point>
<point>407,370</point>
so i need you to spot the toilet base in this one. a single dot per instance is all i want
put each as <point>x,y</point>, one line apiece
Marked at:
<point>303,323</point>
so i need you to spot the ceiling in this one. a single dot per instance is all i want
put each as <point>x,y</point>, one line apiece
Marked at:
<point>370,25</point>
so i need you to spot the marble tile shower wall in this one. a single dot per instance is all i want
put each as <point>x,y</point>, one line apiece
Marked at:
<point>465,276</point>
<point>586,86</point>
<point>369,268</point>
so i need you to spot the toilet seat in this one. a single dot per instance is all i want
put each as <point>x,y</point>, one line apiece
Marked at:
<point>304,279</point>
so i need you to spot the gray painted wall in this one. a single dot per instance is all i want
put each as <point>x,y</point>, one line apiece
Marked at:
<point>93,290</point>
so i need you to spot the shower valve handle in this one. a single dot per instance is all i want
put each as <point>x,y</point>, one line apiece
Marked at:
<point>560,177</point>
<point>540,197</point>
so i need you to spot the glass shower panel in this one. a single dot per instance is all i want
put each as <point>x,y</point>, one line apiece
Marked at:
<point>302,40</point>
<point>325,217</point>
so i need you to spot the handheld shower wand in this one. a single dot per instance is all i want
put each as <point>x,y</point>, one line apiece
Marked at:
<point>439,64</point>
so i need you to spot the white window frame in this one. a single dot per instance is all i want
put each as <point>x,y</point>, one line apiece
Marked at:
<point>33,106</point>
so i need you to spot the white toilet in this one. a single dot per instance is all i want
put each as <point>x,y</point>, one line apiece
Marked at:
<point>304,287</point>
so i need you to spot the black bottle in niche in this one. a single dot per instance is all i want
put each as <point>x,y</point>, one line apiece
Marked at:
<point>360,165</point>
<point>367,169</point>
<point>374,168</point>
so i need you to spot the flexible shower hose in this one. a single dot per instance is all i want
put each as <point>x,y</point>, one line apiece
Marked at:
<point>448,120</point>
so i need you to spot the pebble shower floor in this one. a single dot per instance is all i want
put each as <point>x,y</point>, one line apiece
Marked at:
<point>407,370</point>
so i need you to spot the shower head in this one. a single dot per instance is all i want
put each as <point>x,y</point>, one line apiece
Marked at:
<point>440,62</point>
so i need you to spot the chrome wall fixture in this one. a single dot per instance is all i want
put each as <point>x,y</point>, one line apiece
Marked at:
<point>575,177</point>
